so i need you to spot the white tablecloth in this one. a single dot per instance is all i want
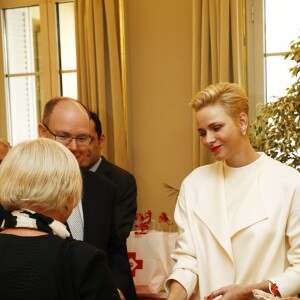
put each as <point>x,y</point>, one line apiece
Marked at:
<point>150,261</point>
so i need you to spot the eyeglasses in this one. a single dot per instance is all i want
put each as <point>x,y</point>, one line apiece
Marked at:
<point>66,139</point>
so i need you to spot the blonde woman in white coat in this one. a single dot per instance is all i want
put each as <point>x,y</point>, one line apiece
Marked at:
<point>238,218</point>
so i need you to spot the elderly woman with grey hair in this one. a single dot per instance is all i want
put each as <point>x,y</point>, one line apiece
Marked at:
<point>40,183</point>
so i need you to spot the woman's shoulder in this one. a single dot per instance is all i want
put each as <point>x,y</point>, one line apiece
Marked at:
<point>83,251</point>
<point>81,257</point>
<point>276,167</point>
<point>206,170</point>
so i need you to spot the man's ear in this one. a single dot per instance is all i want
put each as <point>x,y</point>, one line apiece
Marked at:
<point>102,141</point>
<point>42,130</point>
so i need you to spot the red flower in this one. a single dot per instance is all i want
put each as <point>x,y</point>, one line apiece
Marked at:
<point>143,222</point>
<point>163,217</point>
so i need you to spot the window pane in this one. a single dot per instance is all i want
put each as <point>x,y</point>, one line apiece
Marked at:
<point>22,29</point>
<point>282,24</point>
<point>278,76</point>
<point>22,117</point>
<point>69,85</point>
<point>67,36</point>
<point>22,53</point>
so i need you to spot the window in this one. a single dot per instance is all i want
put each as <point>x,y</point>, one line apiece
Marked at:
<point>271,26</point>
<point>67,49</point>
<point>282,25</point>
<point>22,68</point>
<point>37,60</point>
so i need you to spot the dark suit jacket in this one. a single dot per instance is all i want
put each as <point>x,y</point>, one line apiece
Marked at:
<point>100,228</point>
<point>126,193</point>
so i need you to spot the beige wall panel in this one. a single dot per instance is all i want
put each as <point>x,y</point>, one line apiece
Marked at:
<point>159,47</point>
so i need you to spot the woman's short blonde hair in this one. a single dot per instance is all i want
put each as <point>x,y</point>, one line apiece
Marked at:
<point>39,173</point>
<point>230,95</point>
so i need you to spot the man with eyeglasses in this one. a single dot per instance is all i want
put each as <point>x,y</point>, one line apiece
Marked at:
<point>67,121</point>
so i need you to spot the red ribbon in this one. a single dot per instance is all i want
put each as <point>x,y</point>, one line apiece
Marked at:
<point>274,289</point>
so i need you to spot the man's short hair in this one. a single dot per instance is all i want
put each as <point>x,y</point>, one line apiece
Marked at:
<point>49,106</point>
<point>98,126</point>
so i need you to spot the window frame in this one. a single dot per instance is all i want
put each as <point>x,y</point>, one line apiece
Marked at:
<point>256,55</point>
<point>50,82</point>
<point>256,85</point>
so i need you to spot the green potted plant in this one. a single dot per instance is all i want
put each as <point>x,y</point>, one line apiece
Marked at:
<point>276,130</point>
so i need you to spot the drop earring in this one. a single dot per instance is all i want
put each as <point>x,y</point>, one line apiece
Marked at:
<point>243,130</point>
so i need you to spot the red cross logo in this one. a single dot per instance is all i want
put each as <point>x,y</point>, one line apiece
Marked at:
<point>135,264</point>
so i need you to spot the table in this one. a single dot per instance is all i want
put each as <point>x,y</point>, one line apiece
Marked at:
<point>162,295</point>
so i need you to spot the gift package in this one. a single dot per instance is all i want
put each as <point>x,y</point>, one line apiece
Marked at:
<point>149,248</point>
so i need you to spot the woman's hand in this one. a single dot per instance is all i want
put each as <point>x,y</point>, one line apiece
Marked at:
<point>231,292</point>
<point>237,292</point>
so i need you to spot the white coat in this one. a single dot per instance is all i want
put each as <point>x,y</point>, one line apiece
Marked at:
<point>264,246</point>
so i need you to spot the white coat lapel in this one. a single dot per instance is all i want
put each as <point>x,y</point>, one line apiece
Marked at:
<point>211,205</point>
